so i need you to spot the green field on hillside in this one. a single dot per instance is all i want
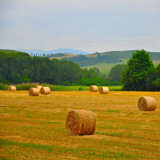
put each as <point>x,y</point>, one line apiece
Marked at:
<point>106,67</point>
<point>103,67</point>
<point>156,63</point>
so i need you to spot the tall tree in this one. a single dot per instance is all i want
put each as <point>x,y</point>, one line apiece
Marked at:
<point>115,73</point>
<point>139,66</point>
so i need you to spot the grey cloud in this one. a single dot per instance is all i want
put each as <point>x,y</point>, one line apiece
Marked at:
<point>85,24</point>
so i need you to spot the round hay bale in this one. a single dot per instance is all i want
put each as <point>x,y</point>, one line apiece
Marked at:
<point>80,122</point>
<point>45,90</point>
<point>39,87</point>
<point>93,88</point>
<point>147,103</point>
<point>12,88</point>
<point>34,92</point>
<point>104,90</point>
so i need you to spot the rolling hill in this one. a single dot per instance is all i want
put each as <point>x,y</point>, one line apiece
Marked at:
<point>107,57</point>
<point>106,60</point>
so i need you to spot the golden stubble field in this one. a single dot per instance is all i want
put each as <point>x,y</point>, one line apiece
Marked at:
<point>34,127</point>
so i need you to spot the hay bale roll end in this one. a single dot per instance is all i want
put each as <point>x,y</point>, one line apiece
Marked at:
<point>34,92</point>
<point>147,103</point>
<point>12,88</point>
<point>80,122</point>
<point>45,90</point>
<point>93,88</point>
<point>104,90</point>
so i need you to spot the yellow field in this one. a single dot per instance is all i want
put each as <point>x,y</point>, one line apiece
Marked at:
<point>34,127</point>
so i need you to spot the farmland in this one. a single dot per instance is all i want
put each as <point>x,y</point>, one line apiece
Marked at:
<point>106,67</point>
<point>34,127</point>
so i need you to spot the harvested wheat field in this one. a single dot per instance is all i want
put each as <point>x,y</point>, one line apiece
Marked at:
<point>33,127</point>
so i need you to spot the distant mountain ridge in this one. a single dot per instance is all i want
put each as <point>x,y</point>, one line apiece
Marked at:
<point>39,52</point>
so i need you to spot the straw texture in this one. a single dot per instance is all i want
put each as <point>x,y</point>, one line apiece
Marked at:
<point>39,87</point>
<point>104,90</point>
<point>80,122</point>
<point>45,90</point>
<point>12,88</point>
<point>34,92</point>
<point>147,103</point>
<point>93,88</point>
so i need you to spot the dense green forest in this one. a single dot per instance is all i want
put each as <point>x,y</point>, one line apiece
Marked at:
<point>18,67</point>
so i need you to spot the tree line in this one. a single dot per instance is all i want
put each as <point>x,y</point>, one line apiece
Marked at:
<point>19,67</point>
<point>138,75</point>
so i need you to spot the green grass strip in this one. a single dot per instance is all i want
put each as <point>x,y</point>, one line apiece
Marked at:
<point>79,152</point>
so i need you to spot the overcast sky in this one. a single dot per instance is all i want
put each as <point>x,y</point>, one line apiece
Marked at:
<point>89,25</point>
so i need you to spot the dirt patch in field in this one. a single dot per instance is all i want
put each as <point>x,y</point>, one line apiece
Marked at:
<point>5,115</point>
<point>16,138</point>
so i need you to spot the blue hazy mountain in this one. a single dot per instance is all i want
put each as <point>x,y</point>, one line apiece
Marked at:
<point>39,52</point>
<point>72,51</point>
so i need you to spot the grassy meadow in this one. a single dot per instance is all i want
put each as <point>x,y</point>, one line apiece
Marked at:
<point>27,86</point>
<point>34,127</point>
<point>81,88</point>
<point>106,67</point>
